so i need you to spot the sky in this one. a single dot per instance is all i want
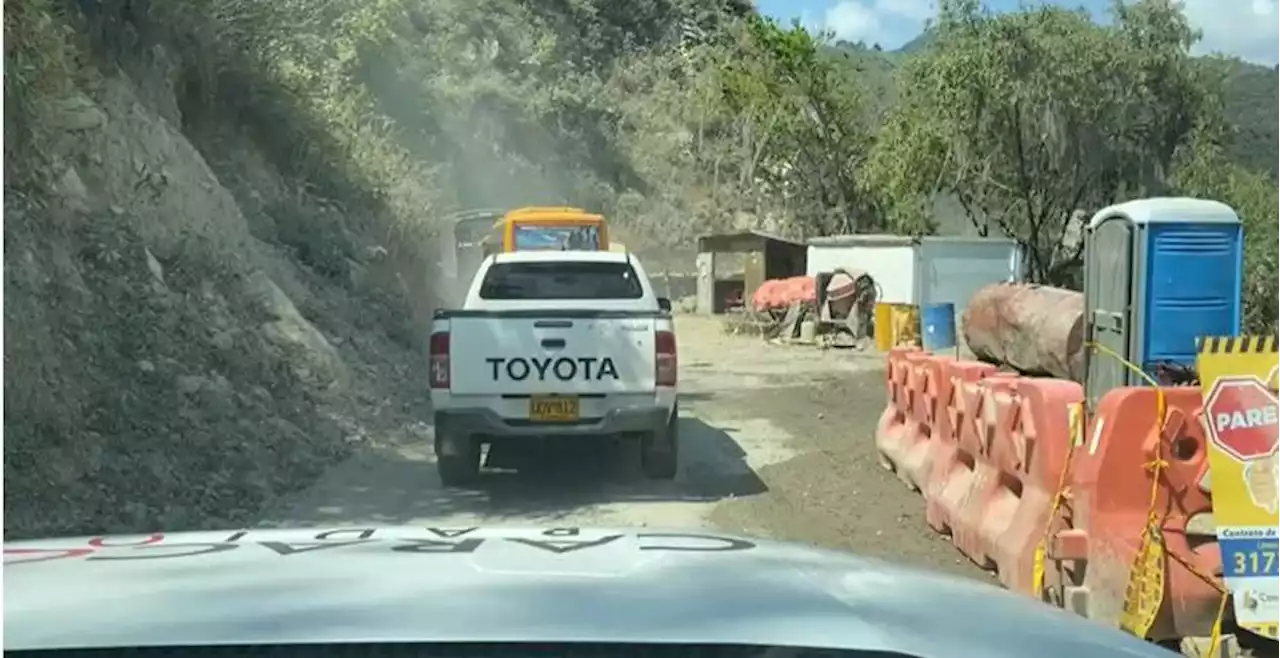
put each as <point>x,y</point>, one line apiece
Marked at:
<point>1249,29</point>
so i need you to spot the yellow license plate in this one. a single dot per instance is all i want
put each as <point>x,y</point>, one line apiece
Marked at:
<point>557,409</point>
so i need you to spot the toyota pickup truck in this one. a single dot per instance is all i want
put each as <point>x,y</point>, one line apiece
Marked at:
<point>554,344</point>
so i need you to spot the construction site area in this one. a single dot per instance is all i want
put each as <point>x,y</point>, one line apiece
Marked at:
<point>1110,451</point>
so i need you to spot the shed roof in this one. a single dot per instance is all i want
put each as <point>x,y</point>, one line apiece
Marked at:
<point>887,240</point>
<point>740,241</point>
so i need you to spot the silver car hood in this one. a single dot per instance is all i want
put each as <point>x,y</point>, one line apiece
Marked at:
<point>497,584</point>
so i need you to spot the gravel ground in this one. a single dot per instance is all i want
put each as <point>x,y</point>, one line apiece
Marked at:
<point>776,442</point>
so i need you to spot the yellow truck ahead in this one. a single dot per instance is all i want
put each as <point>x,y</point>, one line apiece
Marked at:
<point>479,233</point>
<point>548,228</point>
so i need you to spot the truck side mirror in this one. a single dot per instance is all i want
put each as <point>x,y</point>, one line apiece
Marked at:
<point>664,304</point>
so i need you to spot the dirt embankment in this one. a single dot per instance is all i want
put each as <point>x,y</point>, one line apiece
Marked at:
<point>175,354</point>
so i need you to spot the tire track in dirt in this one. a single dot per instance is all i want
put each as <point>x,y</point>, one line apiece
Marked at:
<point>776,441</point>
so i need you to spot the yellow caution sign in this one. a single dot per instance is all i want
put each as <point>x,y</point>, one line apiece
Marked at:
<point>1238,380</point>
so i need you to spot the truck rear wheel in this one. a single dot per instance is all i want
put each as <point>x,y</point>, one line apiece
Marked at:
<point>462,467</point>
<point>660,451</point>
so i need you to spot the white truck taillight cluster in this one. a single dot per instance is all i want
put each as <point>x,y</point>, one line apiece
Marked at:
<point>664,362</point>
<point>440,360</point>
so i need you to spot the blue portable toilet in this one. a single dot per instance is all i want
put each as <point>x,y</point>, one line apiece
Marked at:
<point>1158,273</point>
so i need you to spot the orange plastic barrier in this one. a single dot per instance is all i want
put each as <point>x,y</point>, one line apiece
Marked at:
<point>949,461</point>
<point>783,293</point>
<point>986,449</point>
<point>989,451</point>
<point>1111,491</point>
<point>907,425</point>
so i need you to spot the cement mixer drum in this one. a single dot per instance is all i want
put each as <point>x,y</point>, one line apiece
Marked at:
<point>840,287</point>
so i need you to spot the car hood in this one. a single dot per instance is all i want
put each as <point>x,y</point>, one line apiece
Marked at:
<point>512,585</point>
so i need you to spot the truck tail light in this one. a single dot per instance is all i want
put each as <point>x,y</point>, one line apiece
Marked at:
<point>440,360</point>
<point>664,361</point>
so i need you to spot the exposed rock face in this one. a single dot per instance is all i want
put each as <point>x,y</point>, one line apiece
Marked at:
<point>168,362</point>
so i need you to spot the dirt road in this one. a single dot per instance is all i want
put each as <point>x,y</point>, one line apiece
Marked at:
<point>775,442</point>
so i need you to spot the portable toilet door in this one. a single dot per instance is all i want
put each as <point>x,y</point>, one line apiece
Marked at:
<point>1108,282</point>
<point>1158,273</point>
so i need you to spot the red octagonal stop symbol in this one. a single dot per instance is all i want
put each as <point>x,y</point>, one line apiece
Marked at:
<point>1241,416</point>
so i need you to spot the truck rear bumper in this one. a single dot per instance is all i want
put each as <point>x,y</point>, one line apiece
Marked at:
<point>484,422</point>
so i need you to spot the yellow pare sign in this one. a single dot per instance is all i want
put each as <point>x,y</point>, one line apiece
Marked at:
<point>1241,421</point>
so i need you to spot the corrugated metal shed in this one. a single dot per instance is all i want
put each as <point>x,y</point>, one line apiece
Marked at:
<point>921,270</point>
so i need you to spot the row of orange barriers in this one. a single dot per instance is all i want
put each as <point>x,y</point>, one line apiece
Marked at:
<point>1090,514</point>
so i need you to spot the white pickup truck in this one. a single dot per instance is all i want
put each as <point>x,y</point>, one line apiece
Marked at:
<point>554,344</point>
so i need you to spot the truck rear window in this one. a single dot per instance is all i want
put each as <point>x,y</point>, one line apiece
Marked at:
<point>561,281</point>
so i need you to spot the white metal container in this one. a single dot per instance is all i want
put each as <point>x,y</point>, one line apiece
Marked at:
<point>921,271</point>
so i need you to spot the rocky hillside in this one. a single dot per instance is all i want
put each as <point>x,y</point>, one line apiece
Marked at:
<point>173,357</point>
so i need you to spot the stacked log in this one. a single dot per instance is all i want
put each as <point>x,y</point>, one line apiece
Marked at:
<point>1034,329</point>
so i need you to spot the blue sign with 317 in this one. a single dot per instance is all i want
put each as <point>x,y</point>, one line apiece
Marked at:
<point>1250,557</point>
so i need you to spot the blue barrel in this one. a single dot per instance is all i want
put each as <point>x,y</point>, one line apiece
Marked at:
<point>937,326</point>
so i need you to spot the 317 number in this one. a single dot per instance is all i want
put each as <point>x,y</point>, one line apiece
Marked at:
<point>1255,563</point>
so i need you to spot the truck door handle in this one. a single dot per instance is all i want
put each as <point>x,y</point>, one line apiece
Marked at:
<point>553,324</point>
<point>553,343</point>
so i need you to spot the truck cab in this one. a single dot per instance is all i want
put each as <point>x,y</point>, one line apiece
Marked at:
<point>547,228</point>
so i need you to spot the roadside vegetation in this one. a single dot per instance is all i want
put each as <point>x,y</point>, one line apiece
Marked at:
<point>679,117</point>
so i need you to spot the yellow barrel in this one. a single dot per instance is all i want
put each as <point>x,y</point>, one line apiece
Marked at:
<point>896,324</point>
<point>906,324</point>
<point>884,326</point>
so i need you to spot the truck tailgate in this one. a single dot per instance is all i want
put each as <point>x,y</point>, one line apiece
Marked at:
<point>513,355</point>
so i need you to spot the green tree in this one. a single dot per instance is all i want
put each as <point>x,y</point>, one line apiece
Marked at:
<point>807,125</point>
<point>1028,118</point>
<point>828,136</point>
<point>758,125</point>
<point>1203,169</point>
